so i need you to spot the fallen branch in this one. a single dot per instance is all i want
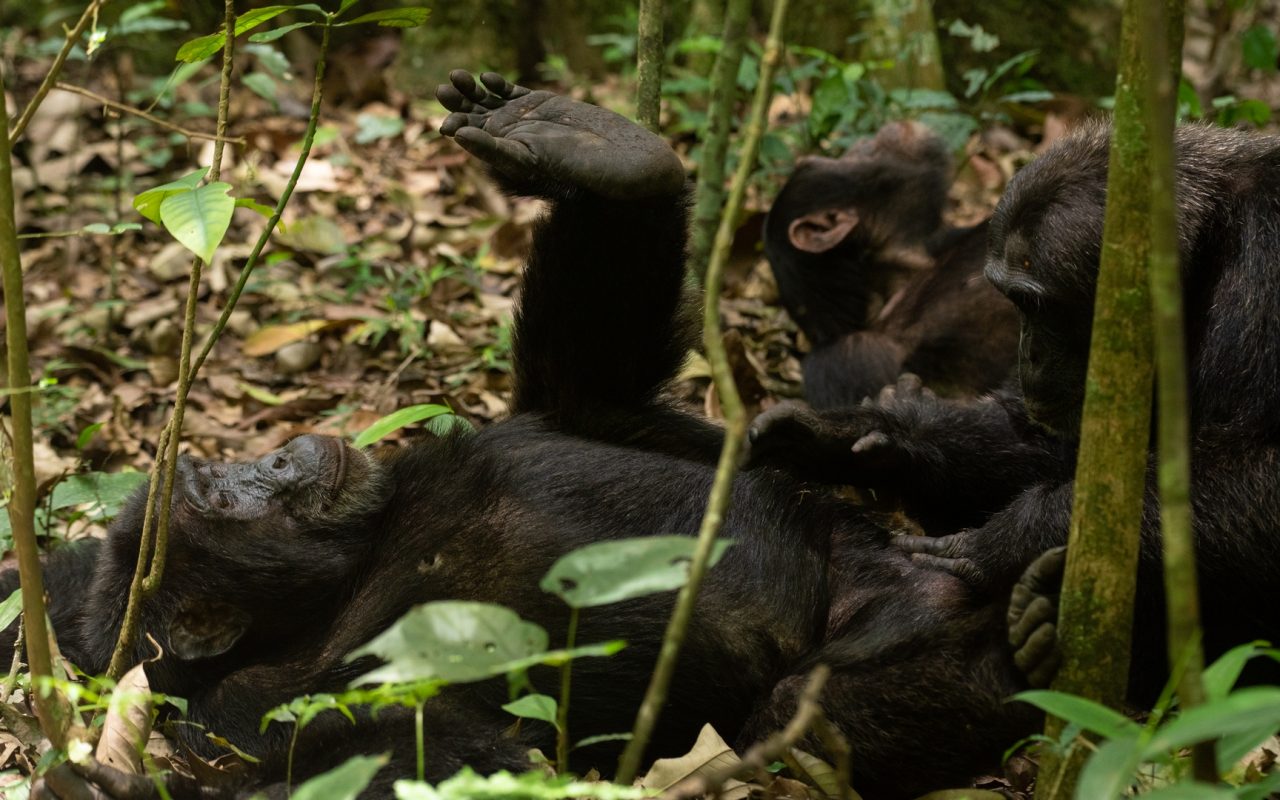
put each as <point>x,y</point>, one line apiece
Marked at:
<point>152,118</point>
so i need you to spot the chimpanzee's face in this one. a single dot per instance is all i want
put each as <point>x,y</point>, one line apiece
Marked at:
<point>1044,247</point>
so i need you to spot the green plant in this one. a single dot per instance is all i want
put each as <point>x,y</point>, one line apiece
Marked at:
<point>1147,758</point>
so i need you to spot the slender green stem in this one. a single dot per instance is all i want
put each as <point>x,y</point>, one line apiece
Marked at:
<point>73,36</point>
<point>419,740</point>
<point>22,495</point>
<point>293,745</point>
<point>562,708</point>
<point>153,544</point>
<point>730,403</point>
<point>709,195</point>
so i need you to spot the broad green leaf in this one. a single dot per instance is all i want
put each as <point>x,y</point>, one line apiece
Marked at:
<point>399,419</point>
<point>344,782</point>
<point>393,17</point>
<point>452,640</point>
<point>556,658</point>
<point>272,35</point>
<point>255,17</point>
<point>1244,711</point>
<point>87,435</point>
<point>610,572</point>
<point>1223,673</point>
<point>107,489</point>
<point>148,203</point>
<point>1087,714</point>
<point>10,608</point>
<point>1235,746</point>
<point>1190,791</point>
<point>534,706</point>
<point>1260,790</point>
<point>346,4</point>
<point>201,47</point>
<point>1109,771</point>
<point>372,127</point>
<point>1259,48</point>
<point>199,218</point>
<point>261,84</point>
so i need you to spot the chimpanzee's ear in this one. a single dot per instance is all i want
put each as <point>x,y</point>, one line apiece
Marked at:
<point>204,628</point>
<point>819,231</point>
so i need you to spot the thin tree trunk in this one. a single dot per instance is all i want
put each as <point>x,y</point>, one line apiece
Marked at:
<point>1097,597</point>
<point>709,196</point>
<point>904,32</point>
<point>1173,433</point>
<point>649,62</point>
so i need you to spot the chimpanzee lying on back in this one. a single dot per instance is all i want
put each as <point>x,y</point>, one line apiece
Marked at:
<point>280,568</point>
<point>1005,466</point>
<point>875,279</point>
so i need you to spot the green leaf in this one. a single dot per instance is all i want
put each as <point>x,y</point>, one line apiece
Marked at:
<point>255,206</point>
<point>1190,791</point>
<point>1260,790</point>
<point>534,706</point>
<point>1087,714</point>
<point>108,490</point>
<point>1223,673</point>
<point>601,739</point>
<point>261,84</point>
<point>452,640</point>
<point>1259,48</point>
<point>1243,711</point>
<point>393,17</point>
<point>10,608</point>
<point>344,782</point>
<point>201,48</point>
<point>272,35</point>
<point>1235,746</point>
<point>199,218</point>
<point>1109,771</point>
<point>372,127</point>
<point>148,203</point>
<point>345,5</point>
<point>399,419</point>
<point>87,434</point>
<point>609,572</point>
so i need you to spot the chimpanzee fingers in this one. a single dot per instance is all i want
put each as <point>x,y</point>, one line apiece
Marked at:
<point>1039,656</point>
<point>465,83</point>
<point>963,568</point>
<point>502,87</point>
<point>932,545</point>
<point>1044,575</point>
<point>459,120</point>
<point>452,99</point>
<point>511,158</point>
<point>875,440</point>
<point>1028,616</point>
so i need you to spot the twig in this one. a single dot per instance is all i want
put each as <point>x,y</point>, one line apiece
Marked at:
<point>735,417</point>
<point>152,118</point>
<point>149,567</point>
<point>12,678</point>
<point>73,36</point>
<point>22,498</point>
<point>762,754</point>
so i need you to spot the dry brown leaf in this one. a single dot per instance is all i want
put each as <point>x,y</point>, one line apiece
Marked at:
<point>709,754</point>
<point>269,339</point>
<point>128,723</point>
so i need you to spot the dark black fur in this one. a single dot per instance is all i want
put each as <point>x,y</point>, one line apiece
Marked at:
<point>901,291</point>
<point>1005,465</point>
<point>591,452</point>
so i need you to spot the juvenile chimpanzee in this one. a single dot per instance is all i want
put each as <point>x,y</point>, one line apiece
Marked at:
<point>878,282</point>
<point>304,568</point>
<point>1006,464</point>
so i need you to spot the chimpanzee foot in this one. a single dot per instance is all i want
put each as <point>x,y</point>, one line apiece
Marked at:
<point>1033,618</point>
<point>550,145</point>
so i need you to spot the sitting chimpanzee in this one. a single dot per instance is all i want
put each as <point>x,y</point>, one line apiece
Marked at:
<point>878,283</point>
<point>278,569</point>
<point>1004,466</point>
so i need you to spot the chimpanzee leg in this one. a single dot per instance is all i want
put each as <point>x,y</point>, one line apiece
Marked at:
<point>602,322</point>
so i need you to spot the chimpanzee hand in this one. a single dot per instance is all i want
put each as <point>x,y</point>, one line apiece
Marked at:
<point>550,144</point>
<point>1033,618</point>
<point>950,554</point>
<point>866,446</point>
